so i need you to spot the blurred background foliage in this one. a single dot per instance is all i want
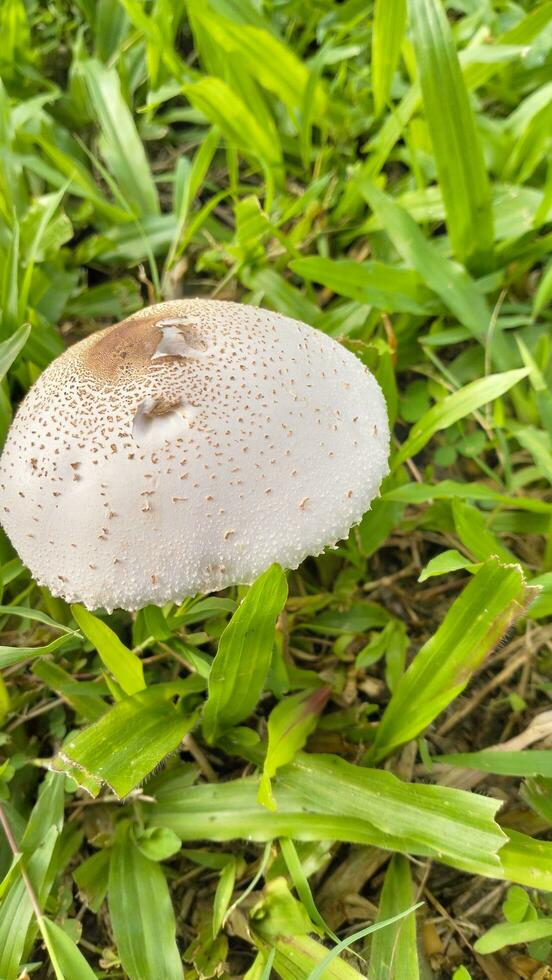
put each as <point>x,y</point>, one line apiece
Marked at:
<point>381,171</point>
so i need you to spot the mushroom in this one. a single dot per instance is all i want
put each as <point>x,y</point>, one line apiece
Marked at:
<point>187,448</point>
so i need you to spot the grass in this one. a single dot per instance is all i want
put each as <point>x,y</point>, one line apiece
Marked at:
<point>381,171</point>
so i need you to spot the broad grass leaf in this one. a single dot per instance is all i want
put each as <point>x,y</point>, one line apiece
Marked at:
<point>475,75</point>
<point>141,913</point>
<point>279,912</point>
<point>526,763</point>
<point>280,924</point>
<point>461,974</point>
<point>359,618</point>
<point>223,894</point>
<point>475,535</point>
<point>527,861</point>
<point>158,843</point>
<point>125,666</point>
<point>279,294</point>
<point>65,957</point>
<point>199,610</point>
<point>543,295</point>
<point>44,232</point>
<point>16,911</point>
<point>226,109</point>
<point>458,154</point>
<point>5,700</point>
<point>12,347</point>
<point>9,285</point>
<point>387,37</point>
<point>245,649</point>
<point>393,951</point>
<point>16,655</point>
<point>84,698</point>
<point>189,178</point>
<point>374,283</point>
<point>329,958</point>
<point>457,406</point>
<point>117,299</point>
<point>300,883</point>
<point>542,605</point>
<point>516,210</point>
<point>110,29</point>
<point>267,59</point>
<point>447,279</point>
<point>512,934</point>
<point>13,655</point>
<point>15,32</point>
<point>129,741</point>
<point>122,147</point>
<point>539,444</point>
<point>516,904</point>
<point>330,785</point>
<point>325,798</point>
<point>476,621</point>
<point>92,878</point>
<point>420,493</point>
<point>81,183</point>
<point>47,812</point>
<point>446,562</point>
<point>36,615</point>
<point>289,725</point>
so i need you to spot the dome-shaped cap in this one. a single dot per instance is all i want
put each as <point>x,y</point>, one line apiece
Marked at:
<point>186,449</point>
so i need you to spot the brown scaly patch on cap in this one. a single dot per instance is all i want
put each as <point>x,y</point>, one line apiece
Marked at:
<point>134,345</point>
<point>123,349</point>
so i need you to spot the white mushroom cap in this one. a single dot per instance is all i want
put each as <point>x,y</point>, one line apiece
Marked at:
<point>186,449</point>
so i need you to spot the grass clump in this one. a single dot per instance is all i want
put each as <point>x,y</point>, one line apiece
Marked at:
<point>380,171</point>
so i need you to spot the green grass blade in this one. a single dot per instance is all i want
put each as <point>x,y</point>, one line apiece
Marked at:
<point>289,725</point>
<point>16,911</point>
<point>243,657</point>
<point>81,183</point>
<point>471,528</point>
<point>327,784</point>
<point>475,622</point>
<point>142,914</point>
<point>67,960</point>
<point>281,924</point>
<point>457,406</point>
<point>383,286</point>
<point>376,927</point>
<point>50,206</point>
<point>447,279</point>
<point>527,861</point>
<point>387,36</point>
<point>122,147</point>
<point>16,655</point>
<point>301,885</point>
<point>326,798</point>
<point>125,666</point>
<point>12,347</point>
<point>419,493</point>
<point>226,109</point>
<point>393,951</point>
<point>458,154</point>
<point>512,934</point>
<point>264,57</point>
<point>126,744</point>
<point>525,764</point>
